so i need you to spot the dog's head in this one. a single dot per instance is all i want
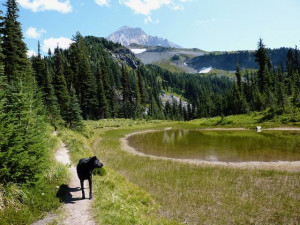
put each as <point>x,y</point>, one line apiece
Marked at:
<point>94,162</point>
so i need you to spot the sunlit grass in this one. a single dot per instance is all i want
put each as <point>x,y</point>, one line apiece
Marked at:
<point>265,119</point>
<point>141,190</point>
<point>204,194</point>
<point>117,201</point>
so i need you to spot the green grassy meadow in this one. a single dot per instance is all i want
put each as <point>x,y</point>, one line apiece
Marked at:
<point>141,190</point>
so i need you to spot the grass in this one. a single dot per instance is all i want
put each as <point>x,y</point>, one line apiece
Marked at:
<point>117,201</point>
<point>168,65</point>
<point>21,204</point>
<point>265,119</point>
<point>140,190</point>
<point>191,193</point>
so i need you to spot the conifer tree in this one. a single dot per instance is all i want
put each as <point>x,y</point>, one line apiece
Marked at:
<point>23,148</point>
<point>126,101</point>
<point>24,152</point>
<point>168,110</point>
<point>263,60</point>
<point>238,76</point>
<point>113,102</point>
<point>280,94</point>
<point>88,87</point>
<point>141,86</point>
<point>39,68</point>
<point>50,100</point>
<point>103,105</point>
<point>60,85</point>
<point>104,76</point>
<point>138,101</point>
<point>74,119</point>
<point>14,48</point>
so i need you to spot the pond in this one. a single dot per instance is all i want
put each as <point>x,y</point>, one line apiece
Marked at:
<point>220,146</point>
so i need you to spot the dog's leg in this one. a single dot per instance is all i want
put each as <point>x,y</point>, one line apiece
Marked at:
<point>82,188</point>
<point>90,184</point>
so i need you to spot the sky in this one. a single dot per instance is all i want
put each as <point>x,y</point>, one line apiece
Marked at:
<point>211,25</point>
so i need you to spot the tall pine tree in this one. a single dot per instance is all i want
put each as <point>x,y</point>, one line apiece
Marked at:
<point>263,60</point>
<point>60,85</point>
<point>14,48</point>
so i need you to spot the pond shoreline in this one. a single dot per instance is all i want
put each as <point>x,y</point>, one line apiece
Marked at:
<point>291,166</point>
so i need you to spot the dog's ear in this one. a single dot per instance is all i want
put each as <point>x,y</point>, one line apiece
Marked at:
<point>93,158</point>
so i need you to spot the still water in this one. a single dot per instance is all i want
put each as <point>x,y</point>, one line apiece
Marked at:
<point>220,146</point>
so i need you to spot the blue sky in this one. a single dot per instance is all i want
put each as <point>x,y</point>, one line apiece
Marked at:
<point>205,24</point>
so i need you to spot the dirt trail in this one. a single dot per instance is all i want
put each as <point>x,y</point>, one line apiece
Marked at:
<point>77,210</point>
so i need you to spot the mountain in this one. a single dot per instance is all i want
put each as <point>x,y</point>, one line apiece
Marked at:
<point>173,59</point>
<point>228,60</point>
<point>127,36</point>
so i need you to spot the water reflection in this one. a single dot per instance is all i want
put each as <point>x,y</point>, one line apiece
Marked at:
<point>225,146</point>
<point>170,137</point>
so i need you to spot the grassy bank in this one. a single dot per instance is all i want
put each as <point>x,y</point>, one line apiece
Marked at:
<point>117,201</point>
<point>140,190</point>
<point>24,204</point>
<point>199,194</point>
<point>265,119</point>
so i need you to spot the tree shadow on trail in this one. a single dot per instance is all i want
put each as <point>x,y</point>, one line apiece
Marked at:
<point>64,194</point>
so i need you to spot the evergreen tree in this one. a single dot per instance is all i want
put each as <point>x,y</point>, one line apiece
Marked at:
<point>238,77</point>
<point>88,87</point>
<point>39,68</point>
<point>60,85</point>
<point>141,86</point>
<point>74,119</point>
<point>263,60</point>
<point>103,105</point>
<point>113,102</point>
<point>23,151</point>
<point>104,76</point>
<point>126,98</point>
<point>14,48</point>
<point>50,100</point>
<point>138,111</point>
<point>168,111</point>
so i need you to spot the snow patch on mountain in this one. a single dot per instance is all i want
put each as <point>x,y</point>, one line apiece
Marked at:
<point>206,70</point>
<point>138,50</point>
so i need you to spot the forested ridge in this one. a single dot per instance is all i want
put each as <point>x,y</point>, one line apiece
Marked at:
<point>92,80</point>
<point>106,87</point>
<point>246,59</point>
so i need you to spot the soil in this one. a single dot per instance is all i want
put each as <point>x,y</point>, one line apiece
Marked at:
<point>78,210</point>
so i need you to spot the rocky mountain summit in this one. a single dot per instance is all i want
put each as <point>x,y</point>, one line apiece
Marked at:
<point>127,36</point>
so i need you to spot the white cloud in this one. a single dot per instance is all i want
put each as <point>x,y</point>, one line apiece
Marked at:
<point>31,53</point>
<point>148,19</point>
<point>102,2</point>
<point>44,5</point>
<point>177,7</point>
<point>34,33</point>
<point>144,6</point>
<point>52,43</point>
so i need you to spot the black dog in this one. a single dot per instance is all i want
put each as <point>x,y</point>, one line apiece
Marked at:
<point>85,170</point>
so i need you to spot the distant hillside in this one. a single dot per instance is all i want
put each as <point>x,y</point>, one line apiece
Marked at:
<point>116,52</point>
<point>228,60</point>
<point>172,59</point>
<point>127,36</point>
